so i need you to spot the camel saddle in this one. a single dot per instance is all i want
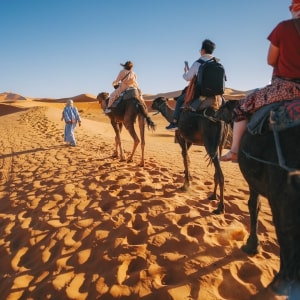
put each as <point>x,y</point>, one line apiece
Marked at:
<point>199,104</point>
<point>275,116</point>
<point>126,95</point>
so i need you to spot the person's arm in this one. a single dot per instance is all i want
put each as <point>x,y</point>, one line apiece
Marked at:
<point>188,76</point>
<point>273,55</point>
<point>77,116</point>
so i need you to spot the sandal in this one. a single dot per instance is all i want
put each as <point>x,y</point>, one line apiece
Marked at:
<point>229,156</point>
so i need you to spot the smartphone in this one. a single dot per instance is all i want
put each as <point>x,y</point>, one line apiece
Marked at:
<point>186,64</point>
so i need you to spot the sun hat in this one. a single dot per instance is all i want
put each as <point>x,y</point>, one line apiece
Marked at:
<point>127,65</point>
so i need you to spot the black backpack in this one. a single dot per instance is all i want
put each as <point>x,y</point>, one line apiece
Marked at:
<point>210,78</point>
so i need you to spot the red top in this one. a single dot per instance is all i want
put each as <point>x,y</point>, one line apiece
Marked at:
<point>286,37</point>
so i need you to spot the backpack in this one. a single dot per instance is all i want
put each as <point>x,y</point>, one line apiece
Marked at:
<point>210,78</point>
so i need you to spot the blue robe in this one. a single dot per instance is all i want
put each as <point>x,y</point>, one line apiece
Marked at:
<point>71,117</point>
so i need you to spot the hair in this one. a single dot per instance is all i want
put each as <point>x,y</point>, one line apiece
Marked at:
<point>208,46</point>
<point>128,65</point>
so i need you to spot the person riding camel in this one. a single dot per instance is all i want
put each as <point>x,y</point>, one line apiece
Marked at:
<point>125,79</point>
<point>284,57</point>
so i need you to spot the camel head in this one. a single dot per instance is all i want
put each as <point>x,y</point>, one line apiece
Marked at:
<point>157,102</point>
<point>103,99</point>
<point>225,112</point>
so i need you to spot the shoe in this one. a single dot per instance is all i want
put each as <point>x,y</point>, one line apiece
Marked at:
<point>229,156</point>
<point>172,126</point>
<point>107,110</point>
<point>73,145</point>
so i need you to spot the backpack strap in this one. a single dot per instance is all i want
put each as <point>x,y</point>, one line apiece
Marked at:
<point>202,61</point>
<point>125,76</point>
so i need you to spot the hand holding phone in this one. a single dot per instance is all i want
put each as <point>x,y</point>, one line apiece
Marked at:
<point>186,64</point>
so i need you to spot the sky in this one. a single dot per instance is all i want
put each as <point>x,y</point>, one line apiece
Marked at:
<point>64,48</point>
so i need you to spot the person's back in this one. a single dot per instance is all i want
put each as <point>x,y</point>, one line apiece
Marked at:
<point>287,39</point>
<point>125,79</point>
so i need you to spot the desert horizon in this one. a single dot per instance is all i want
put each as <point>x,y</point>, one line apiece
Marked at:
<point>77,223</point>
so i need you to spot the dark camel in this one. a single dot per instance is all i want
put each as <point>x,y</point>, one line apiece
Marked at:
<point>198,128</point>
<point>271,168</point>
<point>126,113</point>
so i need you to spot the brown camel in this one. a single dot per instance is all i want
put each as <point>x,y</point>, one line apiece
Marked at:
<point>270,163</point>
<point>199,128</point>
<point>126,113</point>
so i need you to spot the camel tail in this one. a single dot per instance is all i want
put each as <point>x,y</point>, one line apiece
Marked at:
<point>150,123</point>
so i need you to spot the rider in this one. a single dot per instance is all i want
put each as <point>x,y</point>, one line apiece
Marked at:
<point>206,51</point>
<point>284,57</point>
<point>125,79</point>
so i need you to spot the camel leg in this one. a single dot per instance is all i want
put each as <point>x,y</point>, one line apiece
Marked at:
<point>251,246</point>
<point>118,144</point>
<point>130,127</point>
<point>219,181</point>
<point>286,221</point>
<point>141,121</point>
<point>184,152</point>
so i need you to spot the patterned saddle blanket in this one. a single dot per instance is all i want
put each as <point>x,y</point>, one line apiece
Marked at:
<point>127,94</point>
<point>279,116</point>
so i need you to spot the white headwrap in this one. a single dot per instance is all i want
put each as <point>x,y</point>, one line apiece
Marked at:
<point>70,102</point>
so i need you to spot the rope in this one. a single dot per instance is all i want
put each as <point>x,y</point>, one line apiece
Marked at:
<point>215,120</point>
<point>281,161</point>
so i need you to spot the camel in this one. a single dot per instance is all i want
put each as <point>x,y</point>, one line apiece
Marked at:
<point>126,113</point>
<point>270,164</point>
<point>198,128</point>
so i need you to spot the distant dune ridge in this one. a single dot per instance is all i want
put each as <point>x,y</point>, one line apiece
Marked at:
<point>229,93</point>
<point>76,223</point>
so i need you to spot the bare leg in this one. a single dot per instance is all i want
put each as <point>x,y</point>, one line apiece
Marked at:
<point>239,129</point>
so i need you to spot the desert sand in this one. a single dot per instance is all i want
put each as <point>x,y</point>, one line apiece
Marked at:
<point>79,224</point>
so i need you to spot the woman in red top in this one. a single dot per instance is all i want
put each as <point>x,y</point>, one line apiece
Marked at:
<point>284,57</point>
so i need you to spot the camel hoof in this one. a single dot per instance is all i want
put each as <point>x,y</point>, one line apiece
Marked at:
<point>213,196</point>
<point>218,211</point>
<point>183,188</point>
<point>249,249</point>
<point>281,286</point>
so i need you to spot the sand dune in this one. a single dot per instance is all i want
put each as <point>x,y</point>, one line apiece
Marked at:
<point>78,224</point>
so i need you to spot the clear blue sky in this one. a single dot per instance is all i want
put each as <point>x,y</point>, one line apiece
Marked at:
<point>63,48</point>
